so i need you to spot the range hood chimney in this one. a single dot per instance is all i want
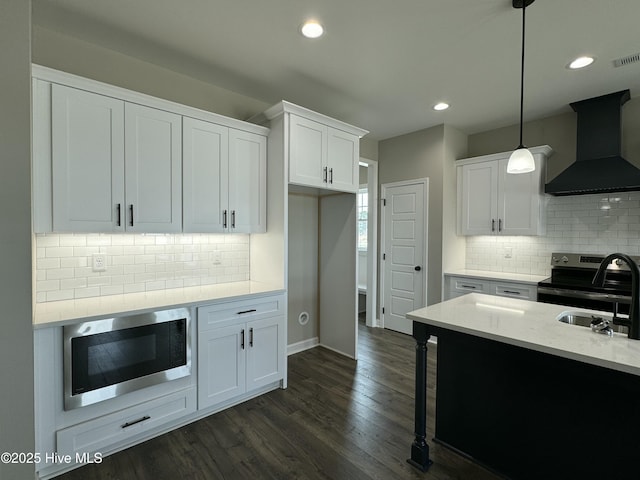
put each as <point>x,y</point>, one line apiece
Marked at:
<point>599,166</point>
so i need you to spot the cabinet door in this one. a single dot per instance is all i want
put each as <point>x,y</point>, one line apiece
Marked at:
<point>265,358</point>
<point>247,182</point>
<point>87,161</point>
<point>221,364</point>
<point>205,171</point>
<point>479,198</point>
<point>343,158</point>
<point>307,152</point>
<point>519,201</point>
<point>153,168</point>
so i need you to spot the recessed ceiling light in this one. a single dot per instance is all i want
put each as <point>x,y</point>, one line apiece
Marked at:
<point>441,106</point>
<point>581,62</point>
<point>312,29</point>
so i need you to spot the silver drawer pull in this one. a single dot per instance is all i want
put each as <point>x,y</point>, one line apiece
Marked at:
<point>247,311</point>
<point>130,424</point>
<point>469,286</point>
<point>512,292</point>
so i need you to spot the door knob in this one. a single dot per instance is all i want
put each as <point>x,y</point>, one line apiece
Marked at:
<point>418,268</point>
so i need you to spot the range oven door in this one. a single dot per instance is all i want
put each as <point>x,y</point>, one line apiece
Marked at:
<point>107,358</point>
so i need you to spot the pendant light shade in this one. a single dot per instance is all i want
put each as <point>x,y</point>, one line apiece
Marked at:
<point>521,160</point>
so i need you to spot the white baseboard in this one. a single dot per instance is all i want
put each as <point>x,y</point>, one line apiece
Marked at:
<point>302,346</point>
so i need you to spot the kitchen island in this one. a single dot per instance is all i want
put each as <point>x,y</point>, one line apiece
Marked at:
<point>526,395</point>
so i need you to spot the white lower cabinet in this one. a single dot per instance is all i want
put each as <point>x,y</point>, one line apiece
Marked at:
<point>456,286</point>
<point>98,434</point>
<point>241,348</point>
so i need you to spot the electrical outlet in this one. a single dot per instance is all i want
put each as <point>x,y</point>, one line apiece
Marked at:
<point>99,262</point>
<point>216,257</point>
<point>508,252</point>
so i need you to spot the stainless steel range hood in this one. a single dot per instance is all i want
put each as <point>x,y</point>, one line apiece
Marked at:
<point>599,166</point>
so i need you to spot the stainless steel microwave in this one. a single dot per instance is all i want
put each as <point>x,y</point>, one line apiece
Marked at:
<point>107,358</point>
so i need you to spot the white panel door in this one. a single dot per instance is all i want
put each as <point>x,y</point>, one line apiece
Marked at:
<point>221,364</point>
<point>404,247</point>
<point>479,198</point>
<point>307,152</point>
<point>205,175</point>
<point>247,182</point>
<point>343,157</point>
<point>87,161</point>
<point>265,343</point>
<point>153,170</point>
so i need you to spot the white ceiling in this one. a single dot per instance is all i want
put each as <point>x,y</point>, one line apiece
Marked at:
<point>382,64</point>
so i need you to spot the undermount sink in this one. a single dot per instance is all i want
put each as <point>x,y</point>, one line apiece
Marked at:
<point>584,319</point>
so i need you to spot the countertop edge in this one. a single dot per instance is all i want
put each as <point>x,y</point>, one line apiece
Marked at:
<point>524,278</point>
<point>573,352</point>
<point>68,312</point>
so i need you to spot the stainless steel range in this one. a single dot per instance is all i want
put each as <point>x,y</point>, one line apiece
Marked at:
<point>571,283</point>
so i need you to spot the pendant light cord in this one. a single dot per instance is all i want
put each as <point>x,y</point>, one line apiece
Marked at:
<point>524,9</point>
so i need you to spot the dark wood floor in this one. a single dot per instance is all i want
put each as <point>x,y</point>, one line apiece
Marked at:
<point>338,419</point>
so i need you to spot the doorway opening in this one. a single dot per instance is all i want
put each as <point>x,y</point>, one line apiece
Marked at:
<point>367,254</point>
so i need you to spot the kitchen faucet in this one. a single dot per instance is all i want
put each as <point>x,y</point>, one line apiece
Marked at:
<point>633,323</point>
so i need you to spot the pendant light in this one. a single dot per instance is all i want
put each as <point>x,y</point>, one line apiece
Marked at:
<point>521,160</point>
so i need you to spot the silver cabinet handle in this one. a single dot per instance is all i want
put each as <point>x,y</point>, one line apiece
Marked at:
<point>119,215</point>
<point>233,219</point>
<point>500,225</point>
<point>251,337</point>
<point>493,225</point>
<point>131,215</point>
<point>331,175</point>
<point>324,175</point>
<point>224,219</point>
<point>512,292</point>
<point>473,287</point>
<point>242,339</point>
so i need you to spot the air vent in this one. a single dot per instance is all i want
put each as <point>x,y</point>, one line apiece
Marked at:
<point>621,62</point>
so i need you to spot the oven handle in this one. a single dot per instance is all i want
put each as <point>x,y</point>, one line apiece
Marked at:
<point>561,292</point>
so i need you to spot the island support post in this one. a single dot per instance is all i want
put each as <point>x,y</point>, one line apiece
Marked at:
<point>419,448</point>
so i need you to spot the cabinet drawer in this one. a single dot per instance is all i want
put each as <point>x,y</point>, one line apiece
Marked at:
<point>468,285</point>
<point>95,435</point>
<point>525,292</point>
<point>217,315</point>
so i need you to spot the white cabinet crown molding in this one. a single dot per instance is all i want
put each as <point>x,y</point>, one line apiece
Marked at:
<point>545,150</point>
<point>95,86</point>
<point>288,107</point>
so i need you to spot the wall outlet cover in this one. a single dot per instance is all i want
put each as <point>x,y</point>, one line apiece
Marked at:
<point>99,262</point>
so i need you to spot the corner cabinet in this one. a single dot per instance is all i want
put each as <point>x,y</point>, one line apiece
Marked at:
<point>321,152</point>
<point>494,202</point>
<point>106,159</point>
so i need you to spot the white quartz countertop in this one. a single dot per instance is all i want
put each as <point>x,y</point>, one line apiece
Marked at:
<point>66,312</point>
<point>487,275</point>
<point>534,326</point>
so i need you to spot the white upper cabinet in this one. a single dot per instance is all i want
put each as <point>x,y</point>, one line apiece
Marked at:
<point>116,166</point>
<point>224,179</point>
<point>153,170</point>
<point>322,156</point>
<point>106,159</point>
<point>494,202</point>
<point>247,182</point>
<point>319,151</point>
<point>205,168</point>
<point>87,154</point>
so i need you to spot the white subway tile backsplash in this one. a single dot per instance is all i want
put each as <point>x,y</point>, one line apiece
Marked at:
<point>581,224</point>
<point>135,263</point>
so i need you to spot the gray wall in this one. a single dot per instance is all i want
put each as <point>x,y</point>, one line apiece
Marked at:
<point>16,347</point>
<point>418,155</point>
<point>559,132</point>
<point>303,267</point>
